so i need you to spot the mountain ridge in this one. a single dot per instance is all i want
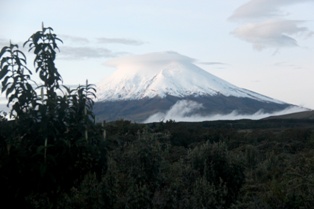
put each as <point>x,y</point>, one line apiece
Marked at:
<point>154,84</point>
<point>175,78</point>
<point>141,110</point>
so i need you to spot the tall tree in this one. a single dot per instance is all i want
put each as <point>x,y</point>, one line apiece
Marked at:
<point>52,140</point>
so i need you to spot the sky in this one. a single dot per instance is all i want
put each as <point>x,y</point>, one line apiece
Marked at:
<point>266,46</point>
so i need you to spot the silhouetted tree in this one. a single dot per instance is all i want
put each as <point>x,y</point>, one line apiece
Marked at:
<point>51,140</point>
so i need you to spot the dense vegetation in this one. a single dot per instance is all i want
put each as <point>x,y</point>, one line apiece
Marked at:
<point>51,141</point>
<point>53,154</point>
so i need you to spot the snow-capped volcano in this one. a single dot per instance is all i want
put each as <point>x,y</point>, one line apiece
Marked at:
<point>161,77</point>
<point>160,86</point>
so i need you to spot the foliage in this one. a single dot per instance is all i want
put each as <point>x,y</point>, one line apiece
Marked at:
<point>266,164</point>
<point>51,141</point>
<point>223,172</point>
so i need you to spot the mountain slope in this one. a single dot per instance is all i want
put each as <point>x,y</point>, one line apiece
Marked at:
<point>304,115</point>
<point>155,83</point>
<point>175,78</point>
<point>185,109</point>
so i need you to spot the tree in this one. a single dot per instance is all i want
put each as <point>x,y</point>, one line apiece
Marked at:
<point>51,140</point>
<point>222,174</point>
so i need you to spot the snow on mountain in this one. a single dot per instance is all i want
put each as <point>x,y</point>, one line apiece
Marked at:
<point>163,74</point>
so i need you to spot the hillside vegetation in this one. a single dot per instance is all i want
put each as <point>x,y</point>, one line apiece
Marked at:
<point>299,115</point>
<point>218,164</point>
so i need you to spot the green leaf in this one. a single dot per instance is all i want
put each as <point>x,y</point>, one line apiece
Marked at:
<point>38,48</point>
<point>18,61</point>
<point>49,28</point>
<point>4,71</point>
<point>4,61</point>
<point>12,46</point>
<point>4,50</point>
<point>5,83</point>
<point>23,55</point>
<point>26,43</point>
<point>10,90</point>
<point>29,87</point>
<point>36,36</point>
<point>11,98</point>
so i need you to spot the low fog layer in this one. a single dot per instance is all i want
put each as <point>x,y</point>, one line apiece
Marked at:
<point>181,111</point>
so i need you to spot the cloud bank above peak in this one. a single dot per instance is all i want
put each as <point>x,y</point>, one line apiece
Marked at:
<point>149,59</point>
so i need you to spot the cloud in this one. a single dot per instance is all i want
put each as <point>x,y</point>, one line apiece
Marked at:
<point>75,39</point>
<point>85,48</point>
<point>120,41</point>
<point>69,52</point>
<point>266,27</point>
<point>183,111</point>
<point>103,40</point>
<point>76,47</point>
<point>263,8</point>
<point>180,111</point>
<point>6,42</point>
<point>149,60</point>
<point>271,33</point>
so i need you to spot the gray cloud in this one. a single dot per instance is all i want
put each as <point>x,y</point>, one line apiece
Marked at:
<point>120,41</point>
<point>102,40</point>
<point>86,49</point>
<point>271,33</point>
<point>6,42</point>
<point>75,39</point>
<point>266,28</point>
<point>83,49</point>
<point>263,8</point>
<point>68,52</point>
